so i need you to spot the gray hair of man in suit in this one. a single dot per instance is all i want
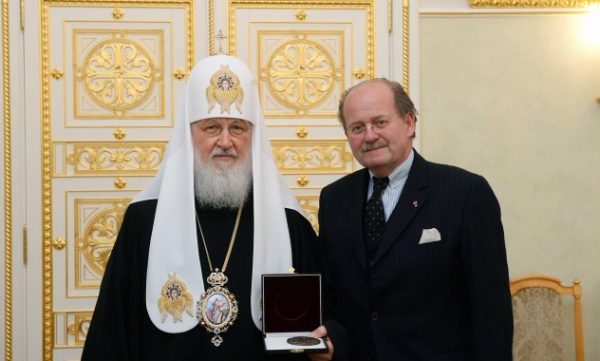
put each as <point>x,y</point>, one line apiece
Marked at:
<point>402,101</point>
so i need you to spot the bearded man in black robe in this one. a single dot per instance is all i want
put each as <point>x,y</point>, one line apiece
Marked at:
<point>216,217</point>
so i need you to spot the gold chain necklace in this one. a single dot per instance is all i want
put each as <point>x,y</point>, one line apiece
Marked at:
<point>217,308</point>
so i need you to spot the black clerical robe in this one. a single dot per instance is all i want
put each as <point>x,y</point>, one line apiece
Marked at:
<point>121,329</point>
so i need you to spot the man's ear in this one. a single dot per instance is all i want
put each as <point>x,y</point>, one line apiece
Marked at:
<point>411,120</point>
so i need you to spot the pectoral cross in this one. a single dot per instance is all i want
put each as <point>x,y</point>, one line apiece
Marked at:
<point>220,36</point>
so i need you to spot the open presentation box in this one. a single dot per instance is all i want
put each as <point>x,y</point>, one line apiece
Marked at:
<point>291,311</point>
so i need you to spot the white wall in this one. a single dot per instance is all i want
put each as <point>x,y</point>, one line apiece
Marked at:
<point>513,97</point>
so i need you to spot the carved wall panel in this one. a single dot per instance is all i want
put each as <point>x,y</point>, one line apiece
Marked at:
<point>301,72</point>
<point>112,73</point>
<point>296,156</point>
<point>97,223</point>
<point>305,53</point>
<point>310,205</point>
<point>118,73</point>
<point>107,158</point>
<point>71,328</point>
<point>531,3</point>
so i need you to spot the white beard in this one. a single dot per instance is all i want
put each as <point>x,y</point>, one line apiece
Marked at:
<point>222,188</point>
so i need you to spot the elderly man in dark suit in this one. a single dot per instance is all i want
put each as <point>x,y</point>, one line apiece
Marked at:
<point>413,251</point>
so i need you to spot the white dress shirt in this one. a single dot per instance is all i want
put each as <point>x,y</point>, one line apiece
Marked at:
<point>391,194</point>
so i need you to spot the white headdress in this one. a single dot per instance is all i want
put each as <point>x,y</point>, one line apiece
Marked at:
<point>218,86</point>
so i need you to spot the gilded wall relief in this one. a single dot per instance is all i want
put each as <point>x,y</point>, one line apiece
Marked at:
<point>301,72</point>
<point>71,328</point>
<point>310,205</point>
<point>112,158</point>
<point>97,223</point>
<point>118,73</point>
<point>531,3</point>
<point>299,156</point>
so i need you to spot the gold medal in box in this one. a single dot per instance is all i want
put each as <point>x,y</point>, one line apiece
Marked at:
<point>291,311</point>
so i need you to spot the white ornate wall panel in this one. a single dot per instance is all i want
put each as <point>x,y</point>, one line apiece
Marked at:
<point>102,84</point>
<point>107,158</point>
<point>305,54</point>
<point>111,74</point>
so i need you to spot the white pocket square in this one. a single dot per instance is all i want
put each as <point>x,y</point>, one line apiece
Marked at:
<point>430,235</point>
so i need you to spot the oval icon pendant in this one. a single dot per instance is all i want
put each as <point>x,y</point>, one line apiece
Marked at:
<point>217,308</point>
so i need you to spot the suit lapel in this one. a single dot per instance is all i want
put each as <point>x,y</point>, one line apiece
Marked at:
<point>412,199</point>
<point>354,212</point>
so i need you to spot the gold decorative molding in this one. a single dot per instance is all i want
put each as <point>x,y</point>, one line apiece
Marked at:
<point>47,299</point>
<point>59,243</point>
<point>211,26</point>
<point>97,223</point>
<point>75,328</point>
<point>302,180</point>
<point>301,132</point>
<point>310,205</point>
<point>117,73</point>
<point>531,3</point>
<point>179,73</point>
<point>8,239</point>
<point>405,45</point>
<point>120,133</point>
<point>295,156</point>
<point>120,183</point>
<point>80,328</point>
<point>301,73</point>
<point>118,13</point>
<point>301,14</point>
<point>371,40</point>
<point>57,73</point>
<point>22,14</point>
<point>359,73</point>
<point>367,5</point>
<point>99,237</point>
<point>390,12</point>
<point>110,158</point>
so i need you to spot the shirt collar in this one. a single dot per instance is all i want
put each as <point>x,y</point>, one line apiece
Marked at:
<point>400,174</point>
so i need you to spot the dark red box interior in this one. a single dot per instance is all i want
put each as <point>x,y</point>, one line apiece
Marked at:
<point>291,302</point>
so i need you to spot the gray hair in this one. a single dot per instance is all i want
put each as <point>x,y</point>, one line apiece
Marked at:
<point>402,101</point>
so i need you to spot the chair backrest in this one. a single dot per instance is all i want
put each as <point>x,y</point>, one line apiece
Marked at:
<point>537,308</point>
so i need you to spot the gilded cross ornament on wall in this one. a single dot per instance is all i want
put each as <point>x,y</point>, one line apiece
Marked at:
<point>118,74</point>
<point>301,73</point>
<point>220,37</point>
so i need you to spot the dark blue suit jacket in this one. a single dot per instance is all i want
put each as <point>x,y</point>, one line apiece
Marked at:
<point>447,300</point>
